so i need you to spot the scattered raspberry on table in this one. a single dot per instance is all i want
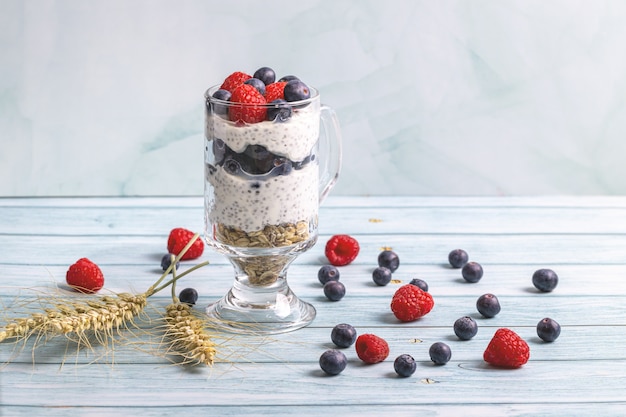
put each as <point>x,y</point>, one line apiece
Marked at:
<point>178,239</point>
<point>341,250</point>
<point>85,276</point>
<point>507,350</point>
<point>410,302</point>
<point>371,348</point>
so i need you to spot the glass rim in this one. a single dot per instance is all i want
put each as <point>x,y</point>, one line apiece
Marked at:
<point>209,92</point>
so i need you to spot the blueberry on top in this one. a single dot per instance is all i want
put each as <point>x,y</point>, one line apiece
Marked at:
<point>296,90</point>
<point>256,83</point>
<point>265,74</point>
<point>328,273</point>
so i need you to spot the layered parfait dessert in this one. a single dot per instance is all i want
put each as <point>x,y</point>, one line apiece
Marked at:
<point>262,175</point>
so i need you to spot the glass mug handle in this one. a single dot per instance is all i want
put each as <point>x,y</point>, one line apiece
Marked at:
<point>329,150</point>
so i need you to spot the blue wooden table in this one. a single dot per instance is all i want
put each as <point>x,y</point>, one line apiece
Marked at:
<point>582,373</point>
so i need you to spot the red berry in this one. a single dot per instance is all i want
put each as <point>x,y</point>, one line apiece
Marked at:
<point>253,108</point>
<point>341,250</point>
<point>371,348</point>
<point>179,238</point>
<point>275,91</point>
<point>85,276</point>
<point>234,80</point>
<point>507,350</point>
<point>410,302</point>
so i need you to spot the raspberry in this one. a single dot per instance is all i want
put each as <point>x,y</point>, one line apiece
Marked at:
<point>275,91</point>
<point>234,80</point>
<point>410,303</point>
<point>177,240</point>
<point>85,276</point>
<point>371,348</point>
<point>507,350</point>
<point>341,250</point>
<point>253,108</point>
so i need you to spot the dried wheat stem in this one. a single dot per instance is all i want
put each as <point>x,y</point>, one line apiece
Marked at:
<point>188,336</point>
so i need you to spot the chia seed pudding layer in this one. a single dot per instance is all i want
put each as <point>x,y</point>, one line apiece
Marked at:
<point>263,179</point>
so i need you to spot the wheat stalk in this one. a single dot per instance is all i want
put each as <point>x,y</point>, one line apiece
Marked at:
<point>187,335</point>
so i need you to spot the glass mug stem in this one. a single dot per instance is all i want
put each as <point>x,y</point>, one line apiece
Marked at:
<point>263,186</point>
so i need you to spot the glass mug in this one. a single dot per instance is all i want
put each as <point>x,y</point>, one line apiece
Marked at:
<point>263,186</point>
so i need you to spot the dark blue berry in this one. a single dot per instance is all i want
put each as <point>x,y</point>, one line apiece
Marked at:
<point>405,365</point>
<point>288,78</point>
<point>166,261</point>
<point>219,108</point>
<point>440,353</point>
<point>545,280</point>
<point>188,295</point>
<point>334,290</point>
<point>279,111</point>
<point>256,83</point>
<point>548,330</point>
<point>328,273</point>
<point>488,305</point>
<point>420,283</point>
<point>265,74</point>
<point>343,335</point>
<point>381,276</point>
<point>465,328</point>
<point>333,362</point>
<point>389,259</point>
<point>296,90</point>
<point>458,258</point>
<point>472,272</point>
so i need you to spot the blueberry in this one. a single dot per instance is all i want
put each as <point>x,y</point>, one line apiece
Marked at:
<point>405,365</point>
<point>488,305</point>
<point>166,261</point>
<point>256,83</point>
<point>465,328</point>
<point>265,74</point>
<point>458,258</point>
<point>548,330</point>
<point>223,95</point>
<point>545,280</point>
<point>296,90</point>
<point>188,295</point>
<point>334,290</point>
<point>333,362</point>
<point>288,78</point>
<point>389,259</point>
<point>219,150</point>
<point>472,272</point>
<point>328,273</point>
<point>343,335</point>
<point>232,167</point>
<point>381,276</point>
<point>420,283</point>
<point>440,353</point>
<point>279,111</point>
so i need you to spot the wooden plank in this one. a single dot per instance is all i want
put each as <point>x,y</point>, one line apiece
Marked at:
<point>286,384</point>
<point>456,220</point>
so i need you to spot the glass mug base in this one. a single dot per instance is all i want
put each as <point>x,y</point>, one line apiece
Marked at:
<point>263,311</point>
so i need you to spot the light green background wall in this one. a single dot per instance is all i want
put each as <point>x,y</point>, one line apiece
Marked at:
<point>438,97</point>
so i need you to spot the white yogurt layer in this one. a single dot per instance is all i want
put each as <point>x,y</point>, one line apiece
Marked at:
<point>251,205</point>
<point>293,139</point>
